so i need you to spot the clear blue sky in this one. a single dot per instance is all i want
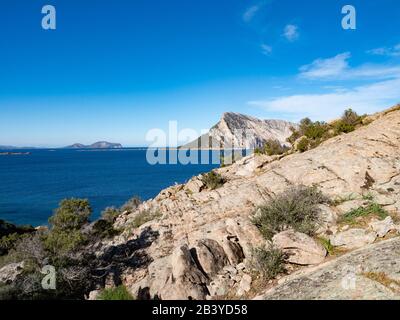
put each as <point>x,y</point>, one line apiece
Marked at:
<point>112,70</point>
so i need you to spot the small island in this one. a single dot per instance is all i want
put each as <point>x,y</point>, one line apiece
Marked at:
<point>96,145</point>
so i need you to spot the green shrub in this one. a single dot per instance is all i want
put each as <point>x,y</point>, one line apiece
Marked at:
<point>295,208</point>
<point>212,180</point>
<point>132,204</point>
<point>348,122</point>
<point>103,229</point>
<point>269,262</point>
<point>60,242</point>
<point>8,242</point>
<point>326,243</point>
<point>303,145</point>
<point>372,209</point>
<point>109,214</point>
<point>144,217</point>
<point>274,147</point>
<point>71,214</point>
<point>118,293</point>
<point>315,130</point>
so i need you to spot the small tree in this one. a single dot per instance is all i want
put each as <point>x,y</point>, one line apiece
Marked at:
<point>72,214</point>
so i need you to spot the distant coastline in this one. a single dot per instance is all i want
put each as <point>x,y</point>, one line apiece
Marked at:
<point>14,153</point>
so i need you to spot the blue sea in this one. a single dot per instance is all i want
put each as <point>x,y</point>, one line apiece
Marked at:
<point>31,186</point>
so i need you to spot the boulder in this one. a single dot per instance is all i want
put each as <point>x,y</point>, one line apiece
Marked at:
<point>353,238</point>
<point>211,256</point>
<point>382,227</point>
<point>300,248</point>
<point>187,281</point>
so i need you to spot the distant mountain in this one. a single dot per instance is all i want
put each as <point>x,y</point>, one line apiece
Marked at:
<point>96,145</point>
<point>233,128</point>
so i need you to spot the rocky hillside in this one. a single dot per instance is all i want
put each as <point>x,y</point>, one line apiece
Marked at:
<point>229,131</point>
<point>321,224</point>
<point>200,242</point>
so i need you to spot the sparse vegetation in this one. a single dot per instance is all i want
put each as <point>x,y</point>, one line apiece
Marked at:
<point>352,217</point>
<point>144,217</point>
<point>213,180</point>
<point>274,147</point>
<point>312,134</point>
<point>348,122</point>
<point>269,262</point>
<point>131,205</point>
<point>326,243</point>
<point>383,279</point>
<point>110,214</point>
<point>303,144</point>
<point>296,208</point>
<point>118,293</point>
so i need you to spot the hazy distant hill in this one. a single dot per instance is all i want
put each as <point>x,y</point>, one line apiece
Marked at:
<point>232,126</point>
<point>96,145</point>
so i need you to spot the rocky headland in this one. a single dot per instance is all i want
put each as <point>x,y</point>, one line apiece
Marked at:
<point>203,240</point>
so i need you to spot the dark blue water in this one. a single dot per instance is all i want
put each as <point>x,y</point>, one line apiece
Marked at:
<point>31,186</point>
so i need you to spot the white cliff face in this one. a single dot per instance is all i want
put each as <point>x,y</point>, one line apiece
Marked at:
<point>236,130</point>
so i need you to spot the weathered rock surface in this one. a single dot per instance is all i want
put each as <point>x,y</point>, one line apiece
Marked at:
<point>353,238</point>
<point>383,227</point>
<point>190,221</point>
<point>345,278</point>
<point>241,131</point>
<point>300,248</point>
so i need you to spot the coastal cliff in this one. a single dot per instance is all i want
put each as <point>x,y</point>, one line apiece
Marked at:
<point>203,239</point>
<point>235,130</point>
<point>320,223</point>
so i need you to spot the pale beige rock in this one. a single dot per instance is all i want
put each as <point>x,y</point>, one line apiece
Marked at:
<point>211,256</point>
<point>300,248</point>
<point>382,227</point>
<point>194,186</point>
<point>344,278</point>
<point>327,219</point>
<point>244,285</point>
<point>353,238</point>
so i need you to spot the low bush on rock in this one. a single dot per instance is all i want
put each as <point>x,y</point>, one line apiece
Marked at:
<point>273,147</point>
<point>144,217</point>
<point>118,293</point>
<point>213,180</point>
<point>131,205</point>
<point>312,134</point>
<point>110,214</point>
<point>268,262</point>
<point>348,122</point>
<point>296,208</point>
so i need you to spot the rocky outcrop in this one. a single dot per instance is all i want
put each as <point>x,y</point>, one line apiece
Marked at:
<point>353,238</point>
<point>203,233</point>
<point>236,130</point>
<point>368,273</point>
